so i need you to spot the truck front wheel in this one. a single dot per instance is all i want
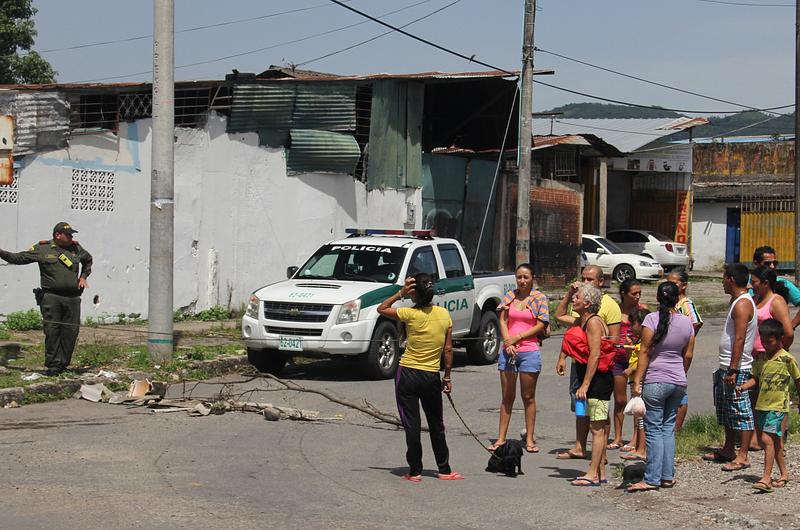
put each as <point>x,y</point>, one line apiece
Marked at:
<point>484,347</point>
<point>380,361</point>
<point>267,361</point>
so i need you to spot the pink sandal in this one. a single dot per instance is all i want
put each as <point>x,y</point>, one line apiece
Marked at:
<point>413,478</point>
<point>451,476</point>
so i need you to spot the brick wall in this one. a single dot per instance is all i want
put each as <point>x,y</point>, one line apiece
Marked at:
<point>556,226</point>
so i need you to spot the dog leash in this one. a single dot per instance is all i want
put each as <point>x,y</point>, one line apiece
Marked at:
<point>464,423</point>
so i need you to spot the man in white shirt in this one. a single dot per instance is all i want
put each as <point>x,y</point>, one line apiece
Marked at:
<point>734,411</point>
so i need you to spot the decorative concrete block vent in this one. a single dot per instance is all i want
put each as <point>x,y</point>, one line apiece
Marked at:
<point>93,191</point>
<point>9,194</point>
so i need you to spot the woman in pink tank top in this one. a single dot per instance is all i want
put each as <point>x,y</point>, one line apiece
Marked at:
<point>524,317</point>
<point>770,297</point>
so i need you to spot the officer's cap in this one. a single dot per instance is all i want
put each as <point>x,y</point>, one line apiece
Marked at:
<point>64,228</point>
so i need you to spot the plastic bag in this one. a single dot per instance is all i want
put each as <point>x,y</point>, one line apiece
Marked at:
<point>635,407</point>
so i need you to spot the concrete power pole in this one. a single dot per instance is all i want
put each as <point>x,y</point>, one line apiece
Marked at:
<point>159,337</point>
<point>797,143</point>
<point>525,111</point>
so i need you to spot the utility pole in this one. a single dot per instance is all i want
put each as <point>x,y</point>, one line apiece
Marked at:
<point>162,185</point>
<point>524,153</point>
<point>797,142</point>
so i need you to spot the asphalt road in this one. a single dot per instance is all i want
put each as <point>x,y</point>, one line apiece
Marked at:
<point>75,464</point>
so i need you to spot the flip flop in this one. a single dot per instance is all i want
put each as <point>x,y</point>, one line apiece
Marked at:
<point>627,448</point>
<point>569,455</point>
<point>450,476</point>
<point>495,445</point>
<point>613,446</point>
<point>532,448</point>
<point>668,483</point>
<point>735,466</point>
<point>637,487</point>
<point>632,457</point>
<point>780,483</point>
<point>716,456</point>
<point>583,482</point>
<point>762,487</point>
<point>413,478</point>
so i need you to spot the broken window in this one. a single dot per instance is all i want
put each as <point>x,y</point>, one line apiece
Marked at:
<point>91,112</point>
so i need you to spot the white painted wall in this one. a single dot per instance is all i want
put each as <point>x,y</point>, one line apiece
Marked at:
<point>240,220</point>
<point>708,235</point>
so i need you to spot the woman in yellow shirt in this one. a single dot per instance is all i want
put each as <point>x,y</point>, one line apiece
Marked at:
<point>429,331</point>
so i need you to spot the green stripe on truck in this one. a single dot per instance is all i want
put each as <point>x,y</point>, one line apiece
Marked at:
<point>450,285</point>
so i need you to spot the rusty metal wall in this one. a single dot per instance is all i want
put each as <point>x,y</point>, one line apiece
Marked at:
<point>556,228</point>
<point>743,161</point>
<point>41,119</point>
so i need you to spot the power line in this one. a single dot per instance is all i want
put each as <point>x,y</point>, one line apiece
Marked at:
<point>629,76</point>
<point>187,30</point>
<point>376,37</point>
<point>271,46</point>
<point>550,85</point>
<point>746,4</point>
<point>613,130</point>
<point>424,41</point>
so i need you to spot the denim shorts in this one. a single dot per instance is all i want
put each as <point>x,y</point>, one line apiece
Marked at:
<point>685,400</point>
<point>527,361</point>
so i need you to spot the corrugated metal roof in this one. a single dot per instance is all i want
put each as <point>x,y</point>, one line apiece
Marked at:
<point>322,151</point>
<point>318,106</point>
<point>258,107</point>
<point>626,134</point>
<point>735,192</point>
<point>326,107</point>
<point>41,120</point>
<point>681,124</point>
<point>485,74</point>
<point>588,140</point>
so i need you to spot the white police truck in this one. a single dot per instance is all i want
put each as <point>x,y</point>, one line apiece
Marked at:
<point>328,307</point>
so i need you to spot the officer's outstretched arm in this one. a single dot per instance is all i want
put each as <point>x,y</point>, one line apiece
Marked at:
<point>20,258</point>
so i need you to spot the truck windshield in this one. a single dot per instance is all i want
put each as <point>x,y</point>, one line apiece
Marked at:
<point>366,263</point>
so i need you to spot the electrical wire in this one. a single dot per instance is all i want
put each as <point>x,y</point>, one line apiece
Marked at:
<point>614,130</point>
<point>376,37</point>
<point>549,85</point>
<point>186,30</point>
<point>629,76</point>
<point>746,4</point>
<point>257,50</point>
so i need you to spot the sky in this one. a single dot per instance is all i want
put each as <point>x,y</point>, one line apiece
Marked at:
<point>737,53</point>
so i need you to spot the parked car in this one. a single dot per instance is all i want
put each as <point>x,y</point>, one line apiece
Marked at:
<point>600,251</point>
<point>328,307</point>
<point>653,245</point>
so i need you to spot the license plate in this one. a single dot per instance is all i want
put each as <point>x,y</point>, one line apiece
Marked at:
<point>290,343</point>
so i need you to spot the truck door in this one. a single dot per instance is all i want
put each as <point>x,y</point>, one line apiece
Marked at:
<point>457,288</point>
<point>424,260</point>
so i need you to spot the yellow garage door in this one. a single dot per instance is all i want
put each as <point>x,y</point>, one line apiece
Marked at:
<point>768,222</point>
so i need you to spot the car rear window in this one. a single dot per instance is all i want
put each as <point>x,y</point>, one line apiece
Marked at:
<point>660,237</point>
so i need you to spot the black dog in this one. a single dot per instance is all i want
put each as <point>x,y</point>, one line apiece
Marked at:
<point>507,459</point>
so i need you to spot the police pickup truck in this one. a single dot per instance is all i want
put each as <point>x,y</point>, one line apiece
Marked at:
<point>328,307</point>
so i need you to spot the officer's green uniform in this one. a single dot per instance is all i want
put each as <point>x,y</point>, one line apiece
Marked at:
<point>60,269</point>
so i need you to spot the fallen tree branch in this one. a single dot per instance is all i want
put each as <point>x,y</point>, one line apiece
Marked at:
<point>368,410</point>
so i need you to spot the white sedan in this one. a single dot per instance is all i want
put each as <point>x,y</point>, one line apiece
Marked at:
<point>600,251</point>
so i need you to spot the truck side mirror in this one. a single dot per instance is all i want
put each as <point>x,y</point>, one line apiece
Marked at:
<point>290,271</point>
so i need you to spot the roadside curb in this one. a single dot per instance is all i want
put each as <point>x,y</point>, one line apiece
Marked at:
<point>215,367</point>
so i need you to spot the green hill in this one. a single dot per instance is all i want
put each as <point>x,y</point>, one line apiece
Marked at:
<point>605,110</point>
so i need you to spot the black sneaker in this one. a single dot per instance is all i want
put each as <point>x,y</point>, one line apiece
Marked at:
<point>52,372</point>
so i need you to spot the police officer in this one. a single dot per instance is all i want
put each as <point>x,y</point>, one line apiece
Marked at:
<point>64,266</point>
